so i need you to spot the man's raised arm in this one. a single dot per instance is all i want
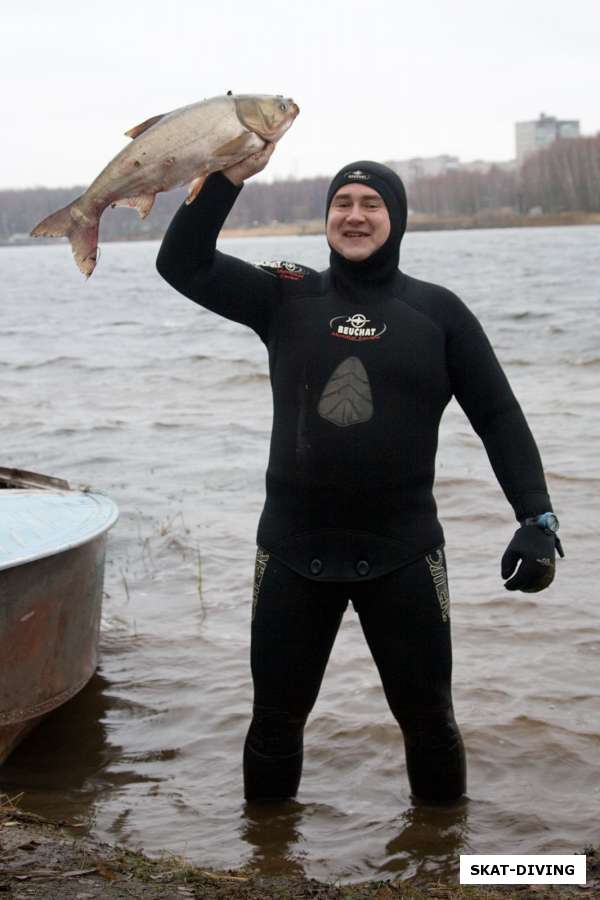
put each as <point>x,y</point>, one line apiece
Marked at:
<point>189,261</point>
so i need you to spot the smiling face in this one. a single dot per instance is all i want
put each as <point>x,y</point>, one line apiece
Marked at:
<point>358,222</point>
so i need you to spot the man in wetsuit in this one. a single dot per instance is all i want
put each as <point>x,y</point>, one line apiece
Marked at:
<point>363,360</point>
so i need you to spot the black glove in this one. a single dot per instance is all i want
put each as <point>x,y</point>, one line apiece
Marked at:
<point>535,548</point>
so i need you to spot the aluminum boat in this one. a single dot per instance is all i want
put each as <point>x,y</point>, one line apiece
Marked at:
<point>52,552</point>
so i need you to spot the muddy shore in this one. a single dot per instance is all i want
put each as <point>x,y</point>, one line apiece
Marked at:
<point>43,860</point>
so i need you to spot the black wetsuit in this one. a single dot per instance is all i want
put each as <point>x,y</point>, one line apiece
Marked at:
<point>361,372</point>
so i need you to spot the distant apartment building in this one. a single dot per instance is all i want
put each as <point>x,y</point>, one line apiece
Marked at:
<point>483,166</point>
<point>533,136</point>
<point>423,167</point>
<point>426,167</point>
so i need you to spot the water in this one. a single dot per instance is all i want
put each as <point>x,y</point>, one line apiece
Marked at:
<point>123,384</point>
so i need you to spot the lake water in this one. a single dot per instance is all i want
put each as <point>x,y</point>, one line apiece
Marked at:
<point>123,384</point>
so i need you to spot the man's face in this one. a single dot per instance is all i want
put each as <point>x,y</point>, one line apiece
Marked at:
<point>358,222</point>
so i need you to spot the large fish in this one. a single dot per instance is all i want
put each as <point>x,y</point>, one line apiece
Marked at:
<point>176,148</point>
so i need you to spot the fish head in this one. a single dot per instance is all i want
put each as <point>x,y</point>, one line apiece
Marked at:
<point>267,116</point>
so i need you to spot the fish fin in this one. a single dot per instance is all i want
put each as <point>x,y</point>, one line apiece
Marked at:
<point>144,126</point>
<point>81,230</point>
<point>84,243</point>
<point>57,224</point>
<point>195,188</point>
<point>237,146</point>
<point>143,203</point>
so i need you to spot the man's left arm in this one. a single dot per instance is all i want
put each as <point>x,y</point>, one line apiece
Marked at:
<point>483,391</point>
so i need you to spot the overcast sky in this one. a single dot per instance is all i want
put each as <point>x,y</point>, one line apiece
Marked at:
<point>381,79</point>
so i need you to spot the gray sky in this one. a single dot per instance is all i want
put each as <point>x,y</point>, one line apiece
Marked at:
<point>376,79</point>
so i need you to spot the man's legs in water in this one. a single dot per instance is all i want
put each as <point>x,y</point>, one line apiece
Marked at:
<point>405,618</point>
<point>294,624</point>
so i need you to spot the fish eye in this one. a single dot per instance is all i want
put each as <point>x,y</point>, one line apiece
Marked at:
<point>283,107</point>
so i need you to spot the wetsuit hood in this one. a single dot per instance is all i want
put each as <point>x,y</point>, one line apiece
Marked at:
<point>381,266</point>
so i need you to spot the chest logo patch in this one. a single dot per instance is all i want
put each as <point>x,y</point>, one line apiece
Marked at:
<point>346,398</point>
<point>356,328</point>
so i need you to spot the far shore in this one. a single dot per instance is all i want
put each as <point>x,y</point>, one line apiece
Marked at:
<point>416,222</point>
<point>424,222</point>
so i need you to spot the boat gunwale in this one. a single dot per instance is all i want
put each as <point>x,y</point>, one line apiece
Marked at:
<point>19,479</point>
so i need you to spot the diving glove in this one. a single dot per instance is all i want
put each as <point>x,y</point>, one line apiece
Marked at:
<point>533,549</point>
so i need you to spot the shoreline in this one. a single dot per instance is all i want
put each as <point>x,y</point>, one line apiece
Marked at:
<point>425,222</point>
<point>44,860</point>
<point>416,222</point>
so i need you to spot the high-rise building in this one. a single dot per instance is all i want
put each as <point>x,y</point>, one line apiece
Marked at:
<point>533,136</point>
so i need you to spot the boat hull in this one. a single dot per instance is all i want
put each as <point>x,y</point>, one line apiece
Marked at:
<point>50,612</point>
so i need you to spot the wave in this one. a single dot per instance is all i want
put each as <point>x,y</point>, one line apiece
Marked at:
<point>198,357</point>
<point>202,357</point>
<point>252,378</point>
<point>583,361</point>
<point>67,431</point>
<point>443,481</point>
<point>559,476</point>
<point>518,362</point>
<point>64,432</point>
<point>53,361</point>
<point>527,314</point>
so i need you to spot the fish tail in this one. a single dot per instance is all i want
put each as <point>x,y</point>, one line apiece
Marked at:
<point>80,228</point>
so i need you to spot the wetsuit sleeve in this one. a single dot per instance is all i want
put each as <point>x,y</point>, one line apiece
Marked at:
<point>482,389</point>
<point>189,261</point>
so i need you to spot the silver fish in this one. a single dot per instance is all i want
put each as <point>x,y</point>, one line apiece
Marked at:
<point>167,151</point>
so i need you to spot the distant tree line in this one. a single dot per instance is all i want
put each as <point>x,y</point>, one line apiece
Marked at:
<point>463,193</point>
<point>258,204</point>
<point>282,201</point>
<point>563,177</point>
<point>21,210</point>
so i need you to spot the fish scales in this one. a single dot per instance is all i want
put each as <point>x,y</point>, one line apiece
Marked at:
<point>179,147</point>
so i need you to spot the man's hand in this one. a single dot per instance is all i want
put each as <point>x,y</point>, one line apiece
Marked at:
<point>238,173</point>
<point>534,550</point>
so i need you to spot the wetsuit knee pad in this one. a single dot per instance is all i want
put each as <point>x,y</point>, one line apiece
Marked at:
<point>273,754</point>
<point>275,733</point>
<point>435,755</point>
<point>423,727</point>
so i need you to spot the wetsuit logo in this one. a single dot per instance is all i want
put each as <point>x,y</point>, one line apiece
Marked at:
<point>356,328</point>
<point>262,558</point>
<point>282,269</point>
<point>437,568</point>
